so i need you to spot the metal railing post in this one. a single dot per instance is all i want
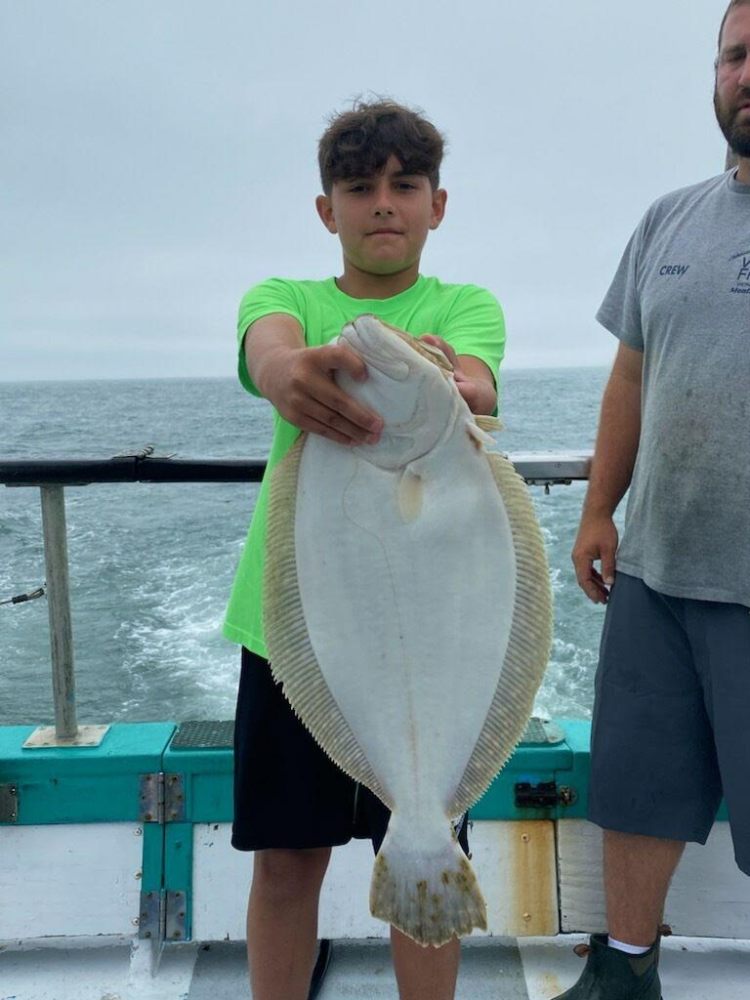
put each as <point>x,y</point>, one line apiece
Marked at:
<point>58,600</point>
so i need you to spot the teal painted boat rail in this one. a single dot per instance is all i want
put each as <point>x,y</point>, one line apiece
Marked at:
<point>105,783</point>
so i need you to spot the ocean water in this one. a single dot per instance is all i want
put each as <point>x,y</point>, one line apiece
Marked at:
<point>151,565</point>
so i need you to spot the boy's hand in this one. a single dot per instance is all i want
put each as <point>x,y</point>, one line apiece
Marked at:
<point>300,383</point>
<point>477,387</point>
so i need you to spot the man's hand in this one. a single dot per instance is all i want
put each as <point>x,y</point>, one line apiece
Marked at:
<point>300,383</point>
<point>609,478</point>
<point>477,387</point>
<point>597,540</point>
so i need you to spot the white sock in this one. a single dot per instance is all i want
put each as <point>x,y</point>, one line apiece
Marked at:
<point>629,949</point>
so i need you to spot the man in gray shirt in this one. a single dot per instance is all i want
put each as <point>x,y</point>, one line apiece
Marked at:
<point>669,732</point>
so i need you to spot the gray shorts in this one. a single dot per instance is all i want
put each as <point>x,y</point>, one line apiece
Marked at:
<point>671,726</point>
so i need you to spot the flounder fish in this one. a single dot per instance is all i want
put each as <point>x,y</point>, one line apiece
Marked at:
<point>408,617</point>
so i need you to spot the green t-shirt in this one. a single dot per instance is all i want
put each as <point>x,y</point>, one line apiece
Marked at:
<point>467,316</point>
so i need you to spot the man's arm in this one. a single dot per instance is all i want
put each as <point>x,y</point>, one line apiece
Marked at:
<point>299,381</point>
<point>611,471</point>
<point>473,378</point>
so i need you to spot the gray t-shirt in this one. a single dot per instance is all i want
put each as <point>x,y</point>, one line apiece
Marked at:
<point>682,296</point>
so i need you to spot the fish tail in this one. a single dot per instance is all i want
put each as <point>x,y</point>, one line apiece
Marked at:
<point>432,894</point>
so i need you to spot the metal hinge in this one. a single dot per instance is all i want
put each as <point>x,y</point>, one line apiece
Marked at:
<point>162,798</point>
<point>175,917</point>
<point>151,919</point>
<point>8,803</point>
<point>163,916</point>
<point>545,795</point>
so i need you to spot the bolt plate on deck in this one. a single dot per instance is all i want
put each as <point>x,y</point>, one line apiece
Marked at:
<point>540,732</point>
<point>45,737</point>
<point>8,804</point>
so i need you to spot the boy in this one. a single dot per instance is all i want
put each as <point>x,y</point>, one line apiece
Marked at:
<point>379,166</point>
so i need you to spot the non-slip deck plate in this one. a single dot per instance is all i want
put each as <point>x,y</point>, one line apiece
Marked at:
<point>204,735</point>
<point>213,734</point>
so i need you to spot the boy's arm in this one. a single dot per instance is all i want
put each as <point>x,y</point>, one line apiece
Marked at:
<point>476,384</point>
<point>473,378</point>
<point>299,381</point>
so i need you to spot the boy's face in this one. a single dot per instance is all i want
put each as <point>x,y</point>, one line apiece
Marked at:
<point>382,220</point>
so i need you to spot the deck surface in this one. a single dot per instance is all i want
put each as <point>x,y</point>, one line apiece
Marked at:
<point>529,969</point>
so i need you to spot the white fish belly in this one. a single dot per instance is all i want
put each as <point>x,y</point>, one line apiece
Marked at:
<point>409,620</point>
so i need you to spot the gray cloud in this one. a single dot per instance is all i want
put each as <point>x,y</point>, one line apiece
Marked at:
<point>158,159</point>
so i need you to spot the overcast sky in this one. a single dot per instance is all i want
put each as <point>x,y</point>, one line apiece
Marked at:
<point>158,157</point>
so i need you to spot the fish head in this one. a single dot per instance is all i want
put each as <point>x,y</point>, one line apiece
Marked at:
<point>409,384</point>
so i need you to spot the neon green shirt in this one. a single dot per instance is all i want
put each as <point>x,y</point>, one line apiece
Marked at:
<point>467,316</point>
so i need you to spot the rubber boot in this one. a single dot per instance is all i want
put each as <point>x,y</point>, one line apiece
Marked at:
<point>613,975</point>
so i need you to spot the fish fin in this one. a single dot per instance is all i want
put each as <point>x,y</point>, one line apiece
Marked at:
<point>410,495</point>
<point>479,438</point>
<point>430,896</point>
<point>481,427</point>
<point>292,660</point>
<point>427,350</point>
<point>529,643</point>
<point>487,423</point>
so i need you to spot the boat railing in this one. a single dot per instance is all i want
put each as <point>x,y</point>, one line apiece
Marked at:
<point>51,476</point>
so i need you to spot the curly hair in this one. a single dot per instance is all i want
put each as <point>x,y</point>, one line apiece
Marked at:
<point>357,143</point>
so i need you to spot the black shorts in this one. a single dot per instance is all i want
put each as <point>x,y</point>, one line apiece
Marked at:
<point>670,734</point>
<point>287,792</point>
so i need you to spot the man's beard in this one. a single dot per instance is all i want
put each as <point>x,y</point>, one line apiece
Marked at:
<point>737,135</point>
